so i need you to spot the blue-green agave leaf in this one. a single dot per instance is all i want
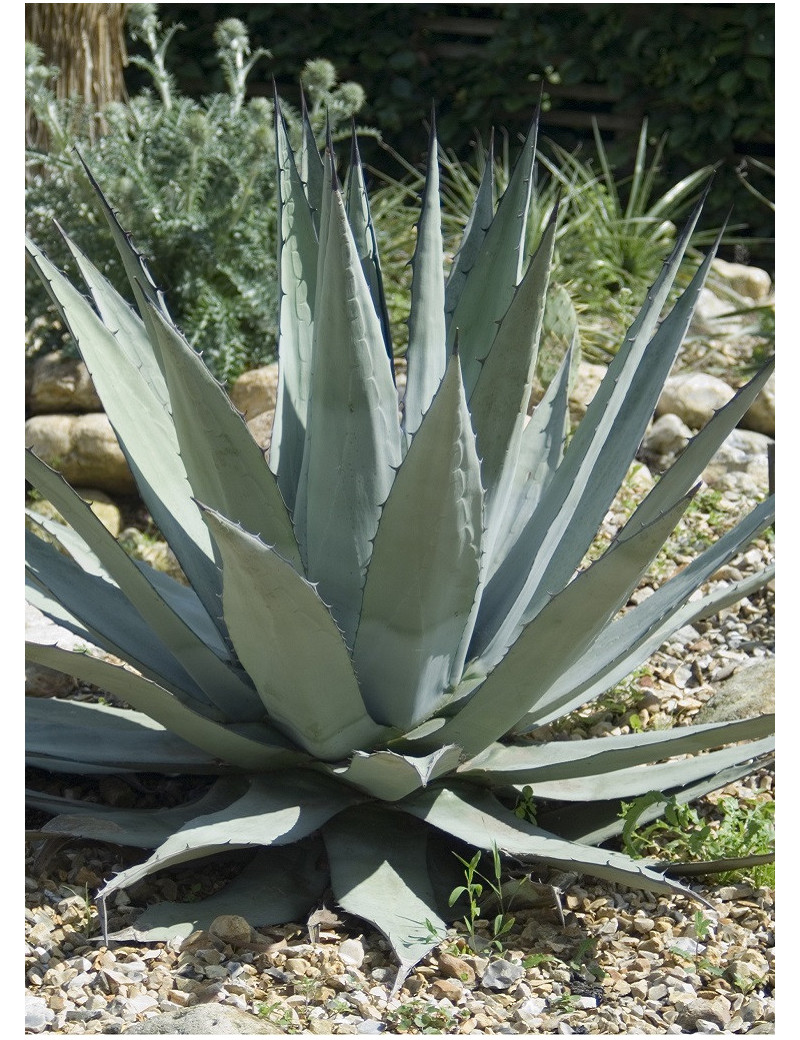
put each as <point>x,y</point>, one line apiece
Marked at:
<point>360,219</point>
<point>385,881</point>
<point>353,436</point>
<point>541,450</point>
<point>554,761</point>
<point>702,447</point>
<point>280,884</point>
<point>118,316</point>
<point>389,776</point>
<point>277,810</point>
<point>477,817</point>
<point>426,355</point>
<point>632,781</point>
<point>140,828</point>
<point>139,420</point>
<point>480,218</point>
<point>630,639</point>
<point>499,402</point>
<point>83,737</point>
<point>311,166</point>
<point>297,280</point>
<point>596,822</point>
<point>491,280</point>
<point>220,683</point>
<point>263,749</point>
<point>143,287</point>
<point>425,568</point>
<point>562,528</point>
<point>287,640</point>
<point>226,468</point>
<point>560,634</point>
<point>110,620</point>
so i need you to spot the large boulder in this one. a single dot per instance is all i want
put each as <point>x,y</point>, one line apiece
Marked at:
<point>83,448</point>
<point>760,416</point>
<point>256,391</point>
<point>741,464</point>
<point>749,691</point>
<point>751,283</point>
<point>59,384</point>
<point>204,1020</point>
<point>693,397</point>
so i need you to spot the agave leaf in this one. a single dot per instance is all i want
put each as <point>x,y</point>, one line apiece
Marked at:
<point>311,166</point>
<point>478,223</point>
<point>65,625</point>
<point>540,453</point>
<point>118,316</point>
<point>182,599</point>
<point>139,421</point>
<point>595,463</point>
<point>360,219</point>
<point>491,280</point>
<point>82,737</point>
<point>499,402</point>
<point>220,684</point>
<point>557,636</point>
<point>660,776</point>
<point>278,885</point>
<point>702,447</point>
<point>110,620</point>
<point>385,881</point>
<point>140,828</point>
<point>427,337</point>
<point>425,567</point>
<point>297,274</point>
<point>142,285</point>
<point>279,809</point>
<point>554,761</point>
<point>390,777</point>
<point>478,818</point>
<point>70,541</point>
<point>266,751</point>
<point>353,435</point>
<point>226,467</point>
<point>596,822</point>
<point>630,639</point>
<point>306,682</point>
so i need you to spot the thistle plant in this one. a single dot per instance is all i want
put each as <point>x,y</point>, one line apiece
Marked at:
<point>379,613</point>
<point>193,182</point>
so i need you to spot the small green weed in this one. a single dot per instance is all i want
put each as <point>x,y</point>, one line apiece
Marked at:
<point>586,957</point>
<point>473,889</point>
<point>525,808</point>
<point>567,1004</point>
<point>736,828</point>
<point>278,1014</point>
<point>420,1016</point>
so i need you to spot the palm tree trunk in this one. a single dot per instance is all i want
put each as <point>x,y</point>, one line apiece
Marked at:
<point>87,43</point>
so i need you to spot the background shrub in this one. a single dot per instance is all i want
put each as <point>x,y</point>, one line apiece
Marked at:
<point>702,72</point>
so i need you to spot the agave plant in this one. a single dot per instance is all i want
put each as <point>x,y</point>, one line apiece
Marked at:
<point>378,615</point>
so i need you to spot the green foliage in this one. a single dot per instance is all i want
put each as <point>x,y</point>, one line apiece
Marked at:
<point>380,613</point>
<point>735,828</point>
<point>473,890</point>
<point>705,72</point>
<point>613,234</point>
<point>420,1016</point>
<point>193,182</point>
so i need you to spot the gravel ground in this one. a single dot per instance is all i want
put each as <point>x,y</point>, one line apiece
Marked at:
<point>618,962</point>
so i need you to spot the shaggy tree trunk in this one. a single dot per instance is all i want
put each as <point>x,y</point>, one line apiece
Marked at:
<point>87,43</point>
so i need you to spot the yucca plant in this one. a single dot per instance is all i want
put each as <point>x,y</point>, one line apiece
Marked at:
<point>378,615</point>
